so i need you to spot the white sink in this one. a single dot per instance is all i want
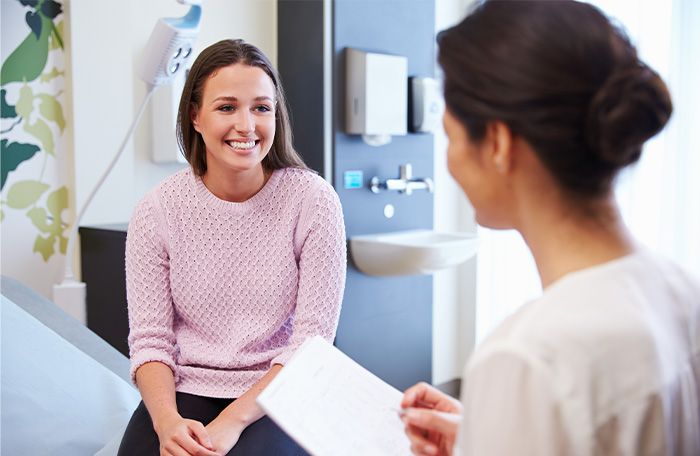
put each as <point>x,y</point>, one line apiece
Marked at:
<point>411,252</point>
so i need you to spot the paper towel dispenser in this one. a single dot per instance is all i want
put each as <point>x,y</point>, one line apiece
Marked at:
<point>376,95</point>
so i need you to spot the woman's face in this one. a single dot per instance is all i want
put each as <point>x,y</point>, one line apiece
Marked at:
<point>236,118</point>
<point>470,165</point>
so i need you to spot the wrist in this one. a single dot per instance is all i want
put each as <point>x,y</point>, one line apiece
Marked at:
<point>162,419</point>
<point>235,418</point>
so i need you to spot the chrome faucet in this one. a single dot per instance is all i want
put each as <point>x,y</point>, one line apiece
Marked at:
<point>404,184</point>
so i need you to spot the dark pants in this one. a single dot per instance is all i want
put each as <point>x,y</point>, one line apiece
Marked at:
<point>260,438</point>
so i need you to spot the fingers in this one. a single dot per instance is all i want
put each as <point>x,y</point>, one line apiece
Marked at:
<point>419,443</point>
<point>173,450</point>
<point>185,444</point>
<point>414,394</point>
<point>443,423</point>
<point>199,432</point>
<point>423,395</point>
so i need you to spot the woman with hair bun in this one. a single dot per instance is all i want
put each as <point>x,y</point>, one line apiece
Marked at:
<point>546,103</point>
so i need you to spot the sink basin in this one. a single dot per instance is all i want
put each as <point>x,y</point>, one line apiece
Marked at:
<point>411,252</point>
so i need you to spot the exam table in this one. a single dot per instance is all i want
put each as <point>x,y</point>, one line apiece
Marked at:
<point>64,390</point>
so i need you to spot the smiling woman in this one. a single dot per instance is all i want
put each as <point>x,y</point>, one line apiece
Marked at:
<point>231,264</point>
<point>236,120</point>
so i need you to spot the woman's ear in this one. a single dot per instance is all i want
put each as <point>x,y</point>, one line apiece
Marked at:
<point>194,118</point>
<point>499,142</point>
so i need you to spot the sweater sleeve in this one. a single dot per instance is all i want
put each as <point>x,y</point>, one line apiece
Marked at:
<point>322,266</point>
<point>151,336</point>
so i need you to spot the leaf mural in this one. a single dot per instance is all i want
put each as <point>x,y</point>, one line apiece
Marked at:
<point>8,111</point>
<point>33,20</point>
<point>44,246</point>
<point>39,219</point>
<point>51,9</point>
<point>56,40</point>
<point>52,110</point>
<point>12,154</point>
<point>52,226</point>
<point>57,202</point>
<point>27,61</point>
<point>24,193</point>
<point>25,102</point>
<point>41,131</point>
<point>46,77</point>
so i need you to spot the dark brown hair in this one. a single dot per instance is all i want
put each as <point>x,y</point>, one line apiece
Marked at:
<point>224,53</point>
<point>562,77</point>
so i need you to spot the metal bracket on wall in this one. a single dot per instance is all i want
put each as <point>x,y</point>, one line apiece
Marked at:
<point>405,184</point>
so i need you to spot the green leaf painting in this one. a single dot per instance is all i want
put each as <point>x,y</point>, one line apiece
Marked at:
<point>51,109</point>
<point>8,112</point>
<point>52,225</point>
<point>41,116</point>
<point>25,102</point>
<point>46,77</point>
<point>27,61</point>
<point>57,202</point>
<point>12,154</point>
<point>23,194</point>
<point>44,246</point>
<point>41,131</point>
<point>55,40</point>
<point>50,8</point>
<point>39,218</point>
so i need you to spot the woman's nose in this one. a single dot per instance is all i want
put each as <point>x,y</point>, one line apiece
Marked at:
<point>244,122</point>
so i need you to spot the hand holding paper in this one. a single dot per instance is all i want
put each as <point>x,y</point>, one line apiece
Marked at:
<point>331,405</point>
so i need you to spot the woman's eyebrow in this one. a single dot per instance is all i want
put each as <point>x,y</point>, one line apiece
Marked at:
<point>229,98</point>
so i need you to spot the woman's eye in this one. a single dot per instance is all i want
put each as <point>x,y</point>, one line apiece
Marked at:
<point>226,108</point>
<point>263,108</point>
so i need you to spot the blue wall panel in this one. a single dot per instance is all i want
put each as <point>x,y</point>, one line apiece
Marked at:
<point>386,323</point>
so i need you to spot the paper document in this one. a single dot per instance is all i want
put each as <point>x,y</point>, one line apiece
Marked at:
<point>330,405</point>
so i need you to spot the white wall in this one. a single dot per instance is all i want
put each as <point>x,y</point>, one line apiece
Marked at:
<point>108,38</point>
<point>454,291</point>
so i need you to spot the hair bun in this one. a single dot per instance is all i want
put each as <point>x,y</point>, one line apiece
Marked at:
<point>630,107</point>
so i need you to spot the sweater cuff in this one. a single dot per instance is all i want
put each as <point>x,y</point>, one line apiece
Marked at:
<point>151,355</point>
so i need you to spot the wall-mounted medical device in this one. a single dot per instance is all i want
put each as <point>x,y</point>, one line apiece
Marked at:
<point>427,105</point>
<point>170,45</point>
<point>166,101</point>
<point>376,95</point>
<point>165,60</point>
<point>167,51</point>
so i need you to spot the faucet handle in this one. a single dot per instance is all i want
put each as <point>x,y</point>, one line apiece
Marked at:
<point>406,171</point>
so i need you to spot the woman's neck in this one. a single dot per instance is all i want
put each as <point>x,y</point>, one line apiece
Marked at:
<point>564,240</point>
<point>238,186</point>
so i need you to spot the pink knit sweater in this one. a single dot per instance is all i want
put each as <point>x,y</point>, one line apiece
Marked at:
<point>220,291</point>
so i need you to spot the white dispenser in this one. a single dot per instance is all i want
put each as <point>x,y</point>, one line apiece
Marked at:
<point>427,105</point>
<point>376,95</point>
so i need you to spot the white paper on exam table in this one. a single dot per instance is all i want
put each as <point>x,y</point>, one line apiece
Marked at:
<point>330,405</point>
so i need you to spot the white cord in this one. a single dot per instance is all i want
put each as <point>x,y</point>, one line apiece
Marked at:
<point>73,236</point>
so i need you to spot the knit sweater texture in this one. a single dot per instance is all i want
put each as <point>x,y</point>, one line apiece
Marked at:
<point>220,291</point>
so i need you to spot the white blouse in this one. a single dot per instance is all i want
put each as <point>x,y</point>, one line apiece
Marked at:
<point>606,362</point>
